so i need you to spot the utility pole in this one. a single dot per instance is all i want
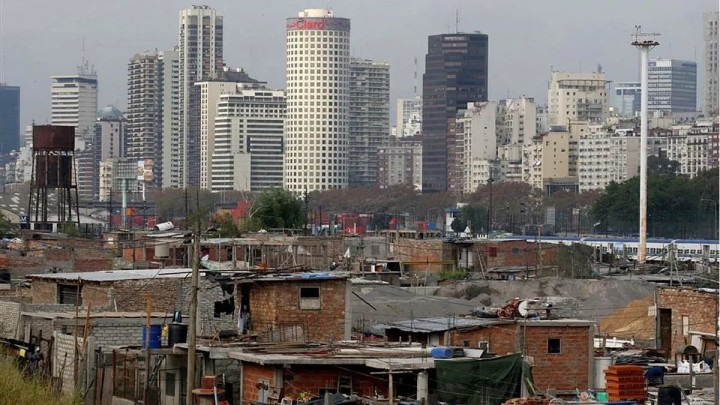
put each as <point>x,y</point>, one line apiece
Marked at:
<point>490,208</point>
<point>192,327</point>
<point>644,42</point>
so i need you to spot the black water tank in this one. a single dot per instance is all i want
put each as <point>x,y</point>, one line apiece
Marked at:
<point>177,333</point>
<point>4,276</point>
<point>669,395</point>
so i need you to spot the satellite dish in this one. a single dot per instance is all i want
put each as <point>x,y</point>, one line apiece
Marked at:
<point>526,308</point>
<point>523,309</point>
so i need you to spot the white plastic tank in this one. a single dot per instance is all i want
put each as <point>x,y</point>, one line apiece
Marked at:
<point>601,365</point>
<point>164,226</point>
<point>162,251</point>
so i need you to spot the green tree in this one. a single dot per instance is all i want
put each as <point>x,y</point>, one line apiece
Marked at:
<point>475,216</point>
<point>662,166</point>
<point>676,206</point>
<point>457,225</point>
<point>226,227</point>
<point>277,208</point>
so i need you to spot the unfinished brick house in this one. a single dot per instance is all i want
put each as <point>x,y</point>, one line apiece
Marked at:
<point>274,307</point>
<point>273,374</point>
<point>684,312</point>
<point>310,306</point>
<point>560,350</point>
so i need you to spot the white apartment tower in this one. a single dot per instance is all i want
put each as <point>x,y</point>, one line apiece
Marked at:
<point>710,33</point>
<point>152,112</point>
<point>400,162</point>
<point>248,153</point>
<point>369,122</point>
<point>200,49</point>
<point>408,116</point>
<point>516,120</point>
<point>577,97</point>
<point>74,100</point>
<point>171,115</point>
<point>318,97</point>
<point>144,112</point>
<point>204,102</point>
<point>605,157</point>
<point>477,152</point>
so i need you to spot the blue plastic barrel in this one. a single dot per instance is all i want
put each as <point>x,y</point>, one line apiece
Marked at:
<point>155,337</point>
<point>441,352</point>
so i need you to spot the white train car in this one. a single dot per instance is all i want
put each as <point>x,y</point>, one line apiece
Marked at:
<point>656,250</point>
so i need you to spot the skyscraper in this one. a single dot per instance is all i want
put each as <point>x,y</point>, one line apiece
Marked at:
<point>144,112</point>
<point>318,96</point>
<point>204,98</point>
<point>456,73</point>
<point>369,119</point>
<point>710,33</point>
<point>200,48</point>
<point>672,86</point>
<point>9,118</point>
<point>248,153</point>
<point>74,100</point>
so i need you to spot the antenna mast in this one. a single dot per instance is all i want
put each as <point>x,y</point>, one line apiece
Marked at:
<point>415,79</point>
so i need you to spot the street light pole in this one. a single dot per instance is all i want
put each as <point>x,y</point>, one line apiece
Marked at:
<point>644,42</point>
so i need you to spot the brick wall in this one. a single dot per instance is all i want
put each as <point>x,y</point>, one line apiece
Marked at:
<point>64,360</point>
<point>209,292</point>
<point>252,374</point>
<point>277,303</point>
<point>502,339</point>
<point>44,291</point>
<point>9,318</point>
<point>515,253</point>
<point>129,295</point>
<point>312,379</point>
<point>294,379</point>
<point>567,370</point>
<point>114,332</point>
<point>699,307</point>
<point>419,251</point>
<point>95,294</point>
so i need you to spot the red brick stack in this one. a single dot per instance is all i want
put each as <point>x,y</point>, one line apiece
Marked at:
<point>625,383</point>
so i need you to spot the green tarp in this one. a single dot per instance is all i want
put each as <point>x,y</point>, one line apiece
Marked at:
<point>480,382</point>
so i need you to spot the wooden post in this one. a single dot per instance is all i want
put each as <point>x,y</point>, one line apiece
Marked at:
<point>148,312</point>
<point>75,333</point>
<point>193,316</point>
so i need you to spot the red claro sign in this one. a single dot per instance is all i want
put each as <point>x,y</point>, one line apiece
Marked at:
<point>336,24</point>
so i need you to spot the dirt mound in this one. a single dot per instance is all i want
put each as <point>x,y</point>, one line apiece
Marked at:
<point>630,321</point>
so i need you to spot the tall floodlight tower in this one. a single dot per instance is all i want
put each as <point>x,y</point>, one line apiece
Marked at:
<point>644,42</point>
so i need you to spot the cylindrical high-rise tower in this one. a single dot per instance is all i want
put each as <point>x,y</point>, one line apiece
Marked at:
<point>318,91</point>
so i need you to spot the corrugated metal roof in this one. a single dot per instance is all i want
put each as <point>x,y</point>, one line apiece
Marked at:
<point>116,275</point>
<point>121,275</point>
<point>439,324</point>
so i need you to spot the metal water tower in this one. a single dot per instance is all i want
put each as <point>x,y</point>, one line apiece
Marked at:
<point>53,158</point>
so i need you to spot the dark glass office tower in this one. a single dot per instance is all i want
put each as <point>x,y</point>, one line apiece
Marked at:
<point>9,118</point>
<point>456,73</point>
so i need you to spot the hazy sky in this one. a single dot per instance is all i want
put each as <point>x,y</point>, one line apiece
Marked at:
<point>41,38</point>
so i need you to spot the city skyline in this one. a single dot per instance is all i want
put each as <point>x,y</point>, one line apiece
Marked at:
<point>398,35</point>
